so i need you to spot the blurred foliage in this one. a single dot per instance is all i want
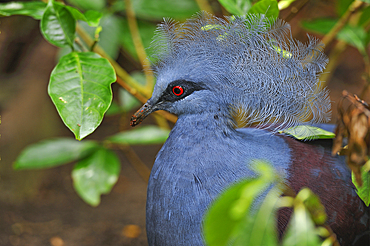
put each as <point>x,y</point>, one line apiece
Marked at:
<point>239,216</point>
<point>109,28</point>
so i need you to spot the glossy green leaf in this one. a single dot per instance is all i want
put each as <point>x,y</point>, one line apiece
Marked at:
<point>97,5</point>
<point>236,7</point>
<point>53,152</point>
<point>305,132</point>
<point>283,4</point>
<point>267,7</point>
<point>146,30</point>
<point>226,216</point>
<point>313,205</point>
<point>80,88</point>
<point>259,228</point>
<point>92,17</point>
<point>58,25</point>
<point>35,9</point>
<point>157,9</point>
<point>142,135</point>
<point>301,229</point>
<point>96,175</point>
<point>364,190</point>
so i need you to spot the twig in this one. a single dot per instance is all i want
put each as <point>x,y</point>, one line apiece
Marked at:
<point>139,47</point>
<point>204,5</point>
<point>356,5</point>
<point>143,99</point>
<point>119,70</point>
<point>136,162</point>
<point>295,9</point>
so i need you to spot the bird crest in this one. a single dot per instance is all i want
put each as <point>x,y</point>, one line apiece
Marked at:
<point>253,64</point>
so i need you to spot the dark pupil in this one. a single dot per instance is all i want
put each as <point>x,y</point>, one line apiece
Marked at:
<point>177,90</point>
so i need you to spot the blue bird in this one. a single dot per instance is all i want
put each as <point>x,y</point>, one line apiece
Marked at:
<point>210,69</point>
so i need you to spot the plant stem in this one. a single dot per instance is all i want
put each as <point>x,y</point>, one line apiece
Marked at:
<point>136,162</point>
<point>204,5</point>
<point>139,47</point>
<point>355,6</point>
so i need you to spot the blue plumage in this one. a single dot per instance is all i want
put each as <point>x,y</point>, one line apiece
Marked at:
<point>208,69</point>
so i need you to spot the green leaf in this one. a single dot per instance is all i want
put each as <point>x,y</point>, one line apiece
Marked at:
<point>58,25</point>
<point>156,9</point>
<point>146,30</point>
<point>226,216</point>
<point>320,26</point>
<point>236,7</point>
<point>313,205</point>
<point>365,17</point>
<point>113,109</point>
<point>142,135</point>
<point>305,132</point>
<point>267,7</point>
<point>53,152</point>
<point>259,228</point>
<point>283,4</point>
<point>128,101</point>
<point>301,229</point>
<point>35,9</point>
<point>342,6</point>
<point>364,190</point>
<point>80,88</point>
<point>109,37</point>
<point>96,175</point>
<point>97,5</point>
<point>353,35</point>
<point>93,17</point>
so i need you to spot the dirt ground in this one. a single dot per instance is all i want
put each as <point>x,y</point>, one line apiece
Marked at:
<point>41,208</point>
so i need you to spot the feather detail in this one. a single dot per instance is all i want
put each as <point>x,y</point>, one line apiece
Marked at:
<point>252,63</point>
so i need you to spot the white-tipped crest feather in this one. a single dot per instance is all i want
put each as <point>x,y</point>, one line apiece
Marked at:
<point>253,65</point>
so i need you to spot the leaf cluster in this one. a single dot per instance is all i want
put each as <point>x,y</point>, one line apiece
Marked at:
<point>239,217</point>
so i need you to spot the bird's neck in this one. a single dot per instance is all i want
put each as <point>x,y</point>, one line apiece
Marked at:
<point>213,123</point>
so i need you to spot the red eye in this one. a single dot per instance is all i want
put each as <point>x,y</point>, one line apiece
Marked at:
<point>177,90</point>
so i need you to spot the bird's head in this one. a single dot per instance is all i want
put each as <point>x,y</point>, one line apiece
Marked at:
<point>212,64</point>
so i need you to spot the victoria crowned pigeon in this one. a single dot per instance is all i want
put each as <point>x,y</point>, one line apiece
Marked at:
<point>208,70</point>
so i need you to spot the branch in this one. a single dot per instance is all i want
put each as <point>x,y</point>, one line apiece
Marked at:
<point>139,47</point>
<point>353,8</point>
<point>204,5</point>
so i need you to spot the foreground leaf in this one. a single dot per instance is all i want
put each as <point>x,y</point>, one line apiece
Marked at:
<point>305,132</point>
<point>269,8</point>
<point>301,229</point>
<point>236,7</point>
<point>80,88</point>
<point>364,190</point>
<point>58,25</point>
<point>226,216</point>
<point>92,17</point>
<point>259,229</point>
<point>53,152</point>
<point>35,9</point>
<point>96,175</point>
<point>142,135</point>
